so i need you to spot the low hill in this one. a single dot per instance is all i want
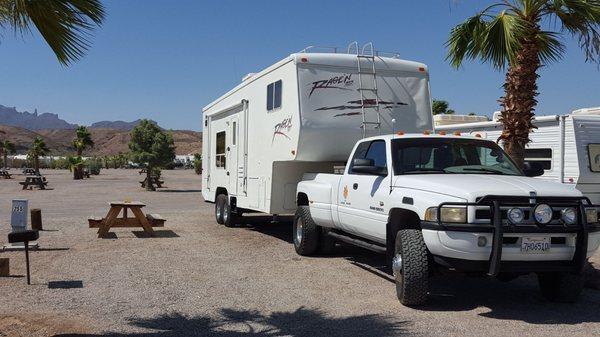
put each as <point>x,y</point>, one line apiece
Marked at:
<point>107,141</point>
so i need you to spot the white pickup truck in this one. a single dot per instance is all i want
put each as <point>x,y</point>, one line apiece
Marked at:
<point>431,200</point>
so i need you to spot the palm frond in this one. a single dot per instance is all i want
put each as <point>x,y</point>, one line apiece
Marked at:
<point>66,25</point>
<point>581,19</point>
<point>502,40</point>
<point>464,40</point>
<point>551,49</point>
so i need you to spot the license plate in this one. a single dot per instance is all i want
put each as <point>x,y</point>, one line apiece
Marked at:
<point>535,245</point>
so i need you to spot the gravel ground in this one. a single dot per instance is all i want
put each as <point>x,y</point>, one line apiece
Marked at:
<point>199,278</point>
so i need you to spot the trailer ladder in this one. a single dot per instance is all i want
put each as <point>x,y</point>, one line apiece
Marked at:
<point>367,54</point>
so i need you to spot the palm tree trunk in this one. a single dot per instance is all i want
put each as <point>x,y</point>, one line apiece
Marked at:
<point>519,101</point>
<point>5,160</point>
<point>36,164</point>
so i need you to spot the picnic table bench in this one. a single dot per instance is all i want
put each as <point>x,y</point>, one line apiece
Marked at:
<point>142,171</point>
<point>139,219</point>
<point>155,181</point>
<point>30,171</point>
<point>31,181</point>
<point>4,174</point>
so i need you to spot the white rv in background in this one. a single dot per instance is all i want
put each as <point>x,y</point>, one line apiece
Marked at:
<point>304,114</point>
<point>567,146</point>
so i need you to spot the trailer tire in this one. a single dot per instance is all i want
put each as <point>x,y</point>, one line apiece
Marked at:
<point>412,270</point>
<point>219,206</point>
<point>305,232</point>
<point>560,286</point>
<point>229,218</point>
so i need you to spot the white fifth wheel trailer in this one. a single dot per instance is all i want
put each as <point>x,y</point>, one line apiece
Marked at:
<point>567,146</point>
<point>304,114</point>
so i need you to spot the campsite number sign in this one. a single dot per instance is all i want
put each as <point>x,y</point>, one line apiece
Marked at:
<point>18,218</point>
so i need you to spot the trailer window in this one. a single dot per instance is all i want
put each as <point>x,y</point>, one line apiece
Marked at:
<point>594,154</point>
<point>220,157</point>
<point>542,156</point>
<point>274,95</point>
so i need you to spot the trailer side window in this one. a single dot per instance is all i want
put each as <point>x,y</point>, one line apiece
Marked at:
<point>274,95</point>
<point>220,157</point>
<point>594,154</point>
<point>542,156</point>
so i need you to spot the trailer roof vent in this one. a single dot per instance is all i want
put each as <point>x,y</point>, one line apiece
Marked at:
<point>247,77</point>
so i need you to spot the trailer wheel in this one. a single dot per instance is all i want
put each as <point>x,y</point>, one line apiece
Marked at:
<point>306,232</point>
<point>229,217</point>
<point>411,267</point>
<point>561,287</point>
<point>219,206</point>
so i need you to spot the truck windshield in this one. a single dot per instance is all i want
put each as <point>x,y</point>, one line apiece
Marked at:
<point>450,155</point>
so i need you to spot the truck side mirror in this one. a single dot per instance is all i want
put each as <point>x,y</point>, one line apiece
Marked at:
<point>533,169</point>
<point>367,166</point>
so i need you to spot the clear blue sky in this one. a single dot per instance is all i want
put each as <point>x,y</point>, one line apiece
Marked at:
<point>165,60</point>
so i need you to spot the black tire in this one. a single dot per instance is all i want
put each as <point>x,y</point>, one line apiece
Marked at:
<point>305,232</point>
<point>412,280</point>
<point>229,217</point>
<point>561,287</point>
<point>219,205</point>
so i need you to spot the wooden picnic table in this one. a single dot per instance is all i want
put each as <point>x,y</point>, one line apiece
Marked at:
<point>112,219</point>
<point>4,174</point>
<point>31,181</point>
<point>155,181</point>
<point>30,171</point>
<point>142,171</point>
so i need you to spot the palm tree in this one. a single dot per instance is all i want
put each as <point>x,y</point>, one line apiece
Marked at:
<point>66,25</point>
<point>7,147</point>
<point>38,148</point>
<point>83,139</point>
<point>525,35</point>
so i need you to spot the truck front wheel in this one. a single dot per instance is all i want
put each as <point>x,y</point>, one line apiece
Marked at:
<point>411,267</point>
<point>561,287</point>
<point>306,232</point>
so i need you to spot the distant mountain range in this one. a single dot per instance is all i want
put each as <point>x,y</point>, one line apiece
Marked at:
<point>34,121</point>
<point>110,137</point>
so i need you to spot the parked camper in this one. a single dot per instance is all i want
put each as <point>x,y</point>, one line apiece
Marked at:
<point>567,146</point>
<point>303,114</point>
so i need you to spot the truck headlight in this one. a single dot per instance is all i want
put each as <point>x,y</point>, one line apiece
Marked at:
<point>515,215</point>
<point>448,214</point>
<point>569,215</point>
<point>591,215</point>
<point>543,214</point>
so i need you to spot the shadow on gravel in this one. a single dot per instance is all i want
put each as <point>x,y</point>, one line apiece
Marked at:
<point>178,191</point>
<point>239,323</point>
<point>516,300</point>
<point>282,229</point>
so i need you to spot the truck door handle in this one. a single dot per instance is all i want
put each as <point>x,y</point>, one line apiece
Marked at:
<point>227,172</point>
<point>355,186</point>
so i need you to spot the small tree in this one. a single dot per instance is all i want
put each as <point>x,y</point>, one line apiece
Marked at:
<point>198,163</point>
<point>152,147</point>
<point>7,147</point>
<point>83,140</point>
<point>38,148</point>
<point>439,107</point>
